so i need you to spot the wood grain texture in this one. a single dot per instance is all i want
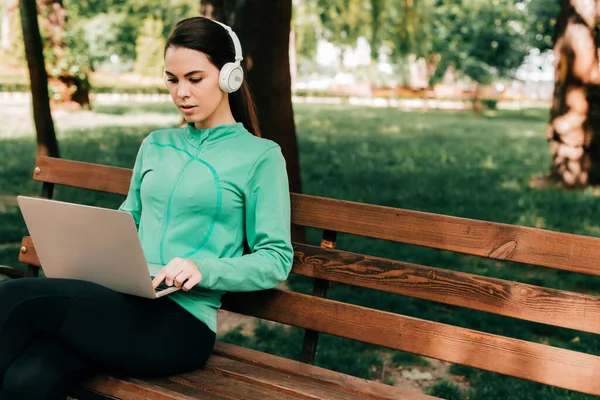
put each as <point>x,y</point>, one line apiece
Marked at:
<point>29,257</point>
<point>481,238</point>
<point>82,175</point>
<point>316,375</point>
<point>536,362</point>
<point>277,381</point>
<point>498,296</point>
<point>512,299</point>
<point>210,382</point>
<point>137,389</point>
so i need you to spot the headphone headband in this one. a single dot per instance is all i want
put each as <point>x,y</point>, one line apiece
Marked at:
<point>236,42</point>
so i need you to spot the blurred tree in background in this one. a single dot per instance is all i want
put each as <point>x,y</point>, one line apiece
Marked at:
<point>149,48</point>
<point>66,55</point>
<point>575,116</point>
<point>12,50</point>
<point>477,42</point>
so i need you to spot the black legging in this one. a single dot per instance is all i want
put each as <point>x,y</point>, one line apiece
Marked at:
<point>54,332</point>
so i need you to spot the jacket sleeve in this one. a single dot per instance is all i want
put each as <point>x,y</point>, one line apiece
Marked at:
<point>268,226</point>
<point>133,202</point>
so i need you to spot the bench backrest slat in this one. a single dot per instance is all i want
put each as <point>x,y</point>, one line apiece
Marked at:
<point>82,175</point>
<point>480,238</point>
<point>486,239</point>
<point>522,359</point>
<point>498,296</point>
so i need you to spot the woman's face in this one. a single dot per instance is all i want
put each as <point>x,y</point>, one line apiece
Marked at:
<point>193,82</point>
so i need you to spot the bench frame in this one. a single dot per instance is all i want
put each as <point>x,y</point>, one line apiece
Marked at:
<point>527,360</point>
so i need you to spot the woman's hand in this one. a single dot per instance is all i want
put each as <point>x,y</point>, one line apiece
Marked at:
<point>178,271</point>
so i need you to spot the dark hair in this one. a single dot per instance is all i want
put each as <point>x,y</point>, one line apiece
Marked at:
<point>202,34</point>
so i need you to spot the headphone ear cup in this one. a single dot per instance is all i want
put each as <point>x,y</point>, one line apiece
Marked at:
<point>231,77</point>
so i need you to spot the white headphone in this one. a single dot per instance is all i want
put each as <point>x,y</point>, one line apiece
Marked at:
<point>231,75</point>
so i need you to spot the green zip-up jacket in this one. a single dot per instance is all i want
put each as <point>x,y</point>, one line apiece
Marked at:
<point>200,194</point>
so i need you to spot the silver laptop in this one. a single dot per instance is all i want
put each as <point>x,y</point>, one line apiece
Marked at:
<point>90,243</point>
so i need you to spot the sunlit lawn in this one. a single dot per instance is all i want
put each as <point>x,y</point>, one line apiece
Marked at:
<point>441,162</point>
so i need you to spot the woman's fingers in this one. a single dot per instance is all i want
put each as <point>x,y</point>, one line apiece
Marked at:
<point>159,278</point>
<point>183,276</point>
<point>177,272</point>
<point>193,281</point>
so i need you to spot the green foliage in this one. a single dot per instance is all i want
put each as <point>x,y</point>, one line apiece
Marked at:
<point>403,358</point>
<point>269,338</point>
<point>75,60</point>
<point>490,104</point>
<point>541,21</point>
<point>112,27</point>
<point>305,19</point>
<point>446,390</point>
<point>149,48</point>
<point>483,39</point>
<point>343,21</point>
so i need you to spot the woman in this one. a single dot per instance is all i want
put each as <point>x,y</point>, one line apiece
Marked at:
<point>198,194</point>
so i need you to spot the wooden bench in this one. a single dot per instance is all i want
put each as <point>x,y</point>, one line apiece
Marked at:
<point>234,372</point>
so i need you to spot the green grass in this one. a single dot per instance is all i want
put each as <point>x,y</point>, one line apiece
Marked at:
<point>440,162</point>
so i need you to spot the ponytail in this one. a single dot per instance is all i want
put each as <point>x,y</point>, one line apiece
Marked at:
<point>244,109</point>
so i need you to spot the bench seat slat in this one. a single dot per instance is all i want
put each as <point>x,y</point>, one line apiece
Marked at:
<point>276,381</point>
<point>234,372</point>
<point>210,382</point>
<point>104,386</point>
<point>310,373</point>
<point>512,299</point>
<point>522,359</point>
<point>546,248</point>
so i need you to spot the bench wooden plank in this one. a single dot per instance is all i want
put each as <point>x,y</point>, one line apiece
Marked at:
<point>512,299</point>
<point>354,386</point>
<point>277,381</point>
<point>82,175</point>
<point>481,238</point>
<point>522,359</point>
<point>137,389</point>
<point>210,382</point>
<point>30,255</point>
<point>563,251</point>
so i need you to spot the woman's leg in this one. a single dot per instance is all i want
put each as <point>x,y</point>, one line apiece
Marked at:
<point>120,333</point>
<point>44,371</point>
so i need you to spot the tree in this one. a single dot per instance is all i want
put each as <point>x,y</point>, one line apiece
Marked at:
<point>149,48</point>
<point>67,68</point>
<point>575,117</point>
<point>46,136</point>
<point>264,29</point>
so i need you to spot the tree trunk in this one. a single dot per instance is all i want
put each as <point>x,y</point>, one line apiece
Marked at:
<point>575,115</point>
<point>219,10</point>
<point>46,136</point>
<point>264,30</point>
<point>70,88</point>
